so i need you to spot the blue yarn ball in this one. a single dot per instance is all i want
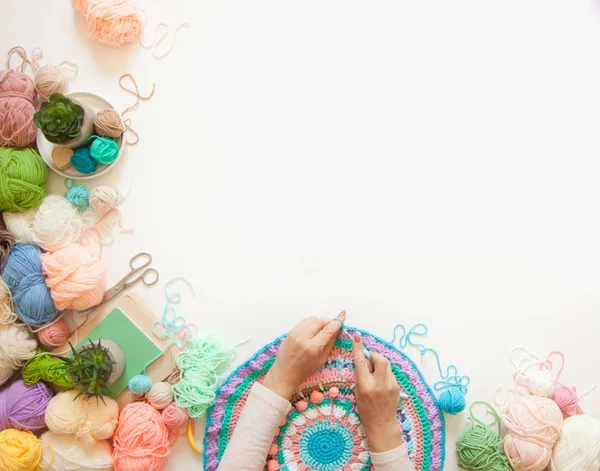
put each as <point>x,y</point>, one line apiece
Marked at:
<point>78,196</point>
<point>140,385</point>
<point>452,401</point>
<point>104,150</point>
<point>22,273</point>
<point>82,161</point>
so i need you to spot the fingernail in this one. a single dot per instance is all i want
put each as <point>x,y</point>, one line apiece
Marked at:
<point>342,315</point>
<point>357,338</point>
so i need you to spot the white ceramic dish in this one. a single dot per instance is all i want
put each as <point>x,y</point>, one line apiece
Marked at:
<point>96,103</point>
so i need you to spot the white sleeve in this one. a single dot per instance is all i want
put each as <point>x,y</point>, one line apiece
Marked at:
<point>393,460</point>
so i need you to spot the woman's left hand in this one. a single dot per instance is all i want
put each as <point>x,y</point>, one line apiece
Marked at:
<point>302,353</point>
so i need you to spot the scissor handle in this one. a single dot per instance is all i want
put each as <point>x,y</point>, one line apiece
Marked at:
<point>133,262</point>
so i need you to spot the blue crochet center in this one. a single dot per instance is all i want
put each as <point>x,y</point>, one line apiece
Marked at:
<point>326,446</point>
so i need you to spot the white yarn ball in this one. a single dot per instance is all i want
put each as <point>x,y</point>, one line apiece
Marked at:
<point>7,312</point>
<point>578,448</point>
<point>20,225</point>
<point>16,348</point>
<point>71,454</point>
<point>160,396</point>
<point>103,199</point>
<point>51,79</point>
<point>541,383</point>
<point>57,223</point>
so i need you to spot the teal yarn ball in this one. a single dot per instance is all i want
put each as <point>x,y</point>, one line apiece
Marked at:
<point>104,150</point>
<point>452,401</point>
<point>78,196</point>
<point>140,385</point>
<point>82,161</point>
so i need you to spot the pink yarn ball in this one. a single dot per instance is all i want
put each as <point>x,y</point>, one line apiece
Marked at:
<point>75,277</point>
<point>54,335</point>
<point>114,22</point>
<point>567,400</point>
<point>316,397</point>
<point>17,98</point>
<point>174,417</point>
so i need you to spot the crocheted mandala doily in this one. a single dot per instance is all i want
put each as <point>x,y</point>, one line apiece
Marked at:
<point>323,431</point>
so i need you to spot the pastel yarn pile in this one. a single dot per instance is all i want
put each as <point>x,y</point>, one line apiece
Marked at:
<point>534,424</point>
<point>141,440</point>
<point>87,418</point>
<point>108,123</point>
<point>578,448</point>
<point>23,276</point>
<point>23,176</point>
<point>17,98</point>
<point>20,451</point>
<point>56,224</point>
<point>23,407</point>
<point>16,348</point>
<point>67,453</point>
<point>114,22</point>
<point>20,225</point>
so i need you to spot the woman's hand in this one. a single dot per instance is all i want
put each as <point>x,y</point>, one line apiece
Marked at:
<point>377,399</point>
<point>302,353</point>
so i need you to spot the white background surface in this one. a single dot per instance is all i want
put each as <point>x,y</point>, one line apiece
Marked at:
<point>408,161</point>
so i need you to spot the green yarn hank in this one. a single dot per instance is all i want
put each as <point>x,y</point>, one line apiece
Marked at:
<point>23,176</point>
<point>479,447</point>
<point>47,368</point>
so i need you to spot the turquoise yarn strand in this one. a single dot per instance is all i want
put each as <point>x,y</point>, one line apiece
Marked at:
<point>170,324</point>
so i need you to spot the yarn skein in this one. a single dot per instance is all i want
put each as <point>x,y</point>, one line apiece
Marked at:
<point>108,123</point>
<point>65,452</point>
<point>113,22</point>
<point>567,400</point>
<point>23,176</point>
<point>534,424</point>
<point>16,348</point>
<point>75,277</point>
<point>88,418</point>
<point>479,446</point>
<point>23,276</point>
<point>160,395</point>
<point>23,407</point>
<point>103,199</point>
<point>175,418</point>
<point>47,368</point>
<point>20,225</point>
<point>17,98</point>
<point>57,224</point>
<point>141,440</point>
<point>82,161</point>
<point>54,335</point>
<point>20,451</point>
<point>104,150</point>
<point>578,448</point>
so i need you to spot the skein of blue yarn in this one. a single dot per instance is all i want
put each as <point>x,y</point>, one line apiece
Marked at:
<point>22,273</point>
<point>140,384</point>
<point>452,401</point>
<point>77,195</point>
<point>82,161</point>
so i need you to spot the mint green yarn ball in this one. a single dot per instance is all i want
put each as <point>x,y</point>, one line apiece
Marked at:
<point>104,150</point>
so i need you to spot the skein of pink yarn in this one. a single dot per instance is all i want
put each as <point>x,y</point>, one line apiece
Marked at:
<point>113,22</point>
<point>75,277</point>
<point>17,98</point>
<point>54,335</point>
<point>534,424</point>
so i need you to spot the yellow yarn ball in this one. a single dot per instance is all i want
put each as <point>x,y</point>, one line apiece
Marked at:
<point>19,451</point>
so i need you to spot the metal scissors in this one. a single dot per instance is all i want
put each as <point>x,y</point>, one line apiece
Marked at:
<point>138,263</point>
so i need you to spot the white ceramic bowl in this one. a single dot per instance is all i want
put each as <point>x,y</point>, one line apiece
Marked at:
<point>45,147</point>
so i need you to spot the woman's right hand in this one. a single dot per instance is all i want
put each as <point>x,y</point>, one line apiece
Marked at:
<point>377,399</point>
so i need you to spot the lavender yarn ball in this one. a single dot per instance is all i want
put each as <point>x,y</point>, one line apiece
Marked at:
<point>82,161</point>
<point>24,407</point>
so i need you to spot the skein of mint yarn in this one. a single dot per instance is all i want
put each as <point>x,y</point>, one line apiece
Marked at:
<point>104,150</point>
<point>23,176</point>
<point>82,161</point>
<point>23,275</point>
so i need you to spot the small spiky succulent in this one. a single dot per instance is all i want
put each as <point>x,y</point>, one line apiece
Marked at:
<point>59,118</point>
<point>90,368</point>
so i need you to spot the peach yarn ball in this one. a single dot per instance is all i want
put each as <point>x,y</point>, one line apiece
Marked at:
<point>113,22</point>
<point>17,98</point>
<point>174,417</point>
<point>54,335</point>
<point>75,277</point>
<point>534,424</point>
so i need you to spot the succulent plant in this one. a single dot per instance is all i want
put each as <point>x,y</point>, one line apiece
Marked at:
<point>89,368</point>
<point>59,118</point>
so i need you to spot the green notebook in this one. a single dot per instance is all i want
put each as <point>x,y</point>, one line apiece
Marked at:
<point>139,349</point>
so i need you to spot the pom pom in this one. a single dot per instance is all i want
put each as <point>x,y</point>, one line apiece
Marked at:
<point>114,22</point>
<point>333,392</point>
<point>54,335</point>
<point>316,397</point>
<point>452,401</point>
<point>61,156</point>
<point>17,107</point>
<point>19,451</point>
<point>22,179</point>
<point>140,384</point>
<point>51,79</point>
<point>174,417</point>
<point>66,452</point>
<point>108,123</point>
<point>541,383</point>
<point>141,441</point>
<point>578,448</point>
<point>23,276</point>
<point>103,199</point>
<point>75,277</point>
<point>104,150</point>
<point>23,407</point>
<point>301,405</point>
<point>57,224</point>
<point>20,225</point>
<point>78,196</point>
<point>160,395</point>
<point>16,348</point>
<point>87,418</point>
<point>82,161</point>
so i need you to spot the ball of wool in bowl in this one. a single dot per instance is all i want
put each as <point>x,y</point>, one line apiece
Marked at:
<point>23,276</point>
<point>82,161</point>
<point>104,150</point>
<point>17,346</point>
<point>56,224</point>
<point>23,176</point>
<point>17,99</point>
<point>75,277</point>
<point>23,407</point>
<point>108,123</point>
